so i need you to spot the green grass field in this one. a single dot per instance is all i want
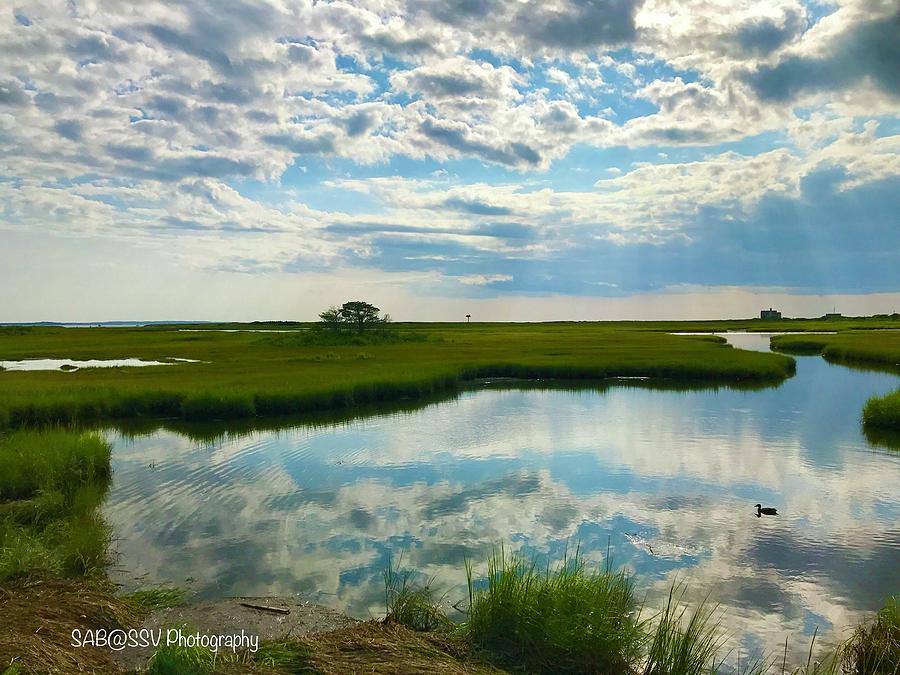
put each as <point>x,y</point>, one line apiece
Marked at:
<point>247,374</point>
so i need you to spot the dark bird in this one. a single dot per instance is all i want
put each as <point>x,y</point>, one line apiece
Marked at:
<point>765,511</point>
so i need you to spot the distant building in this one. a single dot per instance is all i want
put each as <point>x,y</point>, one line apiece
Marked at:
<point>770,314</point>
<point>831,316</point>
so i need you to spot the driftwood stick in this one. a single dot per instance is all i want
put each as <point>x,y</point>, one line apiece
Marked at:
<point>276,610</point>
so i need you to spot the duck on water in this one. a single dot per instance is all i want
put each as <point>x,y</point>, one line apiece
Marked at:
<point>765,511</point>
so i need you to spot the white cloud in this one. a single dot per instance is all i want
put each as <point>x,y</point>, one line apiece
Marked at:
<point>483,279</point>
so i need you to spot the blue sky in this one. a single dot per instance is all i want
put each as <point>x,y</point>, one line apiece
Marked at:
<point>515,159</point>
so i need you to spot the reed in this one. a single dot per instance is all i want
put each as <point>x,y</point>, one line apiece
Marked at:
<point>682,641</point>
<point>570,619</point>
<point>874,648</point>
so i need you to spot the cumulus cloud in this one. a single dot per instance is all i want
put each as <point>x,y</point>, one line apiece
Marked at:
<point>868,50</point>
<point>483,279</point>
<point>566,25</point>
<point>476,139</point>
<point>764,35</point>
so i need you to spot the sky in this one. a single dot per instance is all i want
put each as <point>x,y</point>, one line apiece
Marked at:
<point>509,159</point>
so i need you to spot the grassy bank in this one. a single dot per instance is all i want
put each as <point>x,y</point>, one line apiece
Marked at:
<point>522,619</point>
<point>247,374</point>
<point>53,549</point>
<point>51,486</point>
<point>879,350</point>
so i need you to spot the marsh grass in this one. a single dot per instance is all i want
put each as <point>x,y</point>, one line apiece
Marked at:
<point>411,605</point>
<point>876,348</point>
<point>683,641</point>
<point>51,486</point>
<point>829,663</point>
<point>72,545</point>
<point>46,462</point>
<point>883,412</point>
<point>289,656</point>
<point>874,647</point>
<point>319,336</point>
<point>241,375</point>
<point>565,619</point>
<point>275,656</point>
<point>147,600</point>
<point>182,660</point>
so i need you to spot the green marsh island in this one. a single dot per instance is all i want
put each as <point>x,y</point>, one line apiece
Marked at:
<point>556,497</point>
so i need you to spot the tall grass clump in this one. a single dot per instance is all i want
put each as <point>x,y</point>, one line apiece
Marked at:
<point>563,620</point>
<point>883,412</point>
<point>682,642</point>
<point>409,605</point>
<point>72,544</point>
<point>874,647</point>
<point>40,462</point>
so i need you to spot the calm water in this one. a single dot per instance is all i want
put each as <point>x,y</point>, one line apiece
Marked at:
<point>666,480</point>
<point>75,364</point>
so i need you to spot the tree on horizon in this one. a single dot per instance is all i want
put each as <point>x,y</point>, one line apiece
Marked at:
<point>359,314</point>
<point>331,317</point>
